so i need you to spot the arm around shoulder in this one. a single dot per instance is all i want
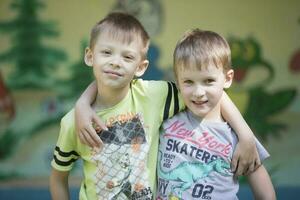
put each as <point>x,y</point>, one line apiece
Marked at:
<point>261,184</point>
<point>245,158</point>
<point>233,116</point>
<point>85,116</point>
<point>59,187</point>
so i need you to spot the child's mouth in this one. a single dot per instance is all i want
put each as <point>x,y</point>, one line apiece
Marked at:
<point>199,103</point>
<point>112,73</point>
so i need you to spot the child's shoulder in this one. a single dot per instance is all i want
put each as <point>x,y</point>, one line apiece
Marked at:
<point>149,83</point>
<point>151,87</point>
<point>179,117</point>
<point>69,118</point>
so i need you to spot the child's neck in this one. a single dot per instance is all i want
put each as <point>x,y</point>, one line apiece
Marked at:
<point>214,115</point>
<point>108,97</point>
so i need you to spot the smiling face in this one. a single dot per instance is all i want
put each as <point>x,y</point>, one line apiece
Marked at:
<point>202,66</point>
<point>115,62</point>
<point>202,89</point>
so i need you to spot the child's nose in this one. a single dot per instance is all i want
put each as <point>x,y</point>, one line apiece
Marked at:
<point>199,91</point>
<point>115,61</point>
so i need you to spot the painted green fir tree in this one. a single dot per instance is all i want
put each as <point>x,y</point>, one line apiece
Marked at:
<point>33,61</point>
<point>80,76</point>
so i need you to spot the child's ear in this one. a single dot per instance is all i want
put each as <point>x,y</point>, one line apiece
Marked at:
<point>141,68</point>
<point>88,57</point>
<point>228,78</point>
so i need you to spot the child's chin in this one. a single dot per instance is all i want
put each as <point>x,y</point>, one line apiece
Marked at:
<point>200,114</point>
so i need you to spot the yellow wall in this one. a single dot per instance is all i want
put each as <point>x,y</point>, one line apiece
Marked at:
<point>274,23</point>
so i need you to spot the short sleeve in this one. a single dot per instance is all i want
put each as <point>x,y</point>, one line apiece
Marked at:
<point>262,152</point>
<point>173,102</point>
<point>65,153</point>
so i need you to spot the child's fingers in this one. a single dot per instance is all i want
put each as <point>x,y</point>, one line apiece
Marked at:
<point>90,141</point>
<point>240,169</point>
<point>98,123</point>
<point>85,138</point>
<point>81,137</point>
<point>257,163</point>
<point>93,133</point>
<point>96,138</point>
<point>234,163</point>
<point>250,169</point>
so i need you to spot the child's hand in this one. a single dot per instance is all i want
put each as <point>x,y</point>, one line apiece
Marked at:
<point>245,158</point>
<point>88,124</point>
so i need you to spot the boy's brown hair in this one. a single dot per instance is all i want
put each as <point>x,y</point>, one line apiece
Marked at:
<point>121,26</point>
<point>199,48</point>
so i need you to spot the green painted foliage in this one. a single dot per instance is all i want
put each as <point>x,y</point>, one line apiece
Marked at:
<point>33,61</point>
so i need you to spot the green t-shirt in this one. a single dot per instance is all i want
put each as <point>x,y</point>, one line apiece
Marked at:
<point>125,168</point>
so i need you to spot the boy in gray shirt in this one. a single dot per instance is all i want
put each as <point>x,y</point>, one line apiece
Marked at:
<point>196,145</point>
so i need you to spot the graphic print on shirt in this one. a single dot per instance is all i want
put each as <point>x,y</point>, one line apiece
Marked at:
<point>197,171</point>
<point>121,163</point>
<point>188,160</point>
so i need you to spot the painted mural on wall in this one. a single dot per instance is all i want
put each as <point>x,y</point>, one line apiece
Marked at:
<point>7,107</point>
<point>33,62</point>
<point>294,64</point>
<point>43,96</point>
<point>33,99</point>
<point>247,56</point>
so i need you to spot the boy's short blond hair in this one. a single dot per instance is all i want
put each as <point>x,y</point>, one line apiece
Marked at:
<point>121,26</point>
<point>199,48</point>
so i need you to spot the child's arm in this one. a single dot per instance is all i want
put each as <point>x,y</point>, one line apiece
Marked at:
<point>261,184</point>
<point>59,187</point>
<point>84,115</point>
<point>245,158</point>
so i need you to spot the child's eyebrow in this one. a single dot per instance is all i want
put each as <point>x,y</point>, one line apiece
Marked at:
<point>210,75</point>
<point>130,52</point>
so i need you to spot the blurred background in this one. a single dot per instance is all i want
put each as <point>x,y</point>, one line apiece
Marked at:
<point>42,73</point>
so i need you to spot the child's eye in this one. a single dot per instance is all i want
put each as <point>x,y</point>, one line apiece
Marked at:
<point>189,82</point>
<point>106,52</point>
<point>209,80</point>
<point>129,57</point>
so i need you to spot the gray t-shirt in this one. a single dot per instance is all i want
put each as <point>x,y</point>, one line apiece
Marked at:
<point>194,159</point>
